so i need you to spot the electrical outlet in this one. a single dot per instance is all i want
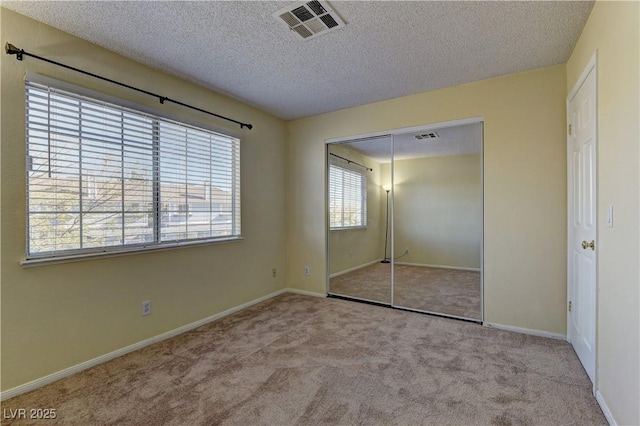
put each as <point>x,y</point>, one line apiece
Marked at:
<point>274,272</point>
<point>406,250</point>
<point>307,271</point>
<point>350,254</point>
<point>146,308</point>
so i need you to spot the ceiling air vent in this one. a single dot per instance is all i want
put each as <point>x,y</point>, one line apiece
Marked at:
<point>309,19</point>
<point>430,135</point>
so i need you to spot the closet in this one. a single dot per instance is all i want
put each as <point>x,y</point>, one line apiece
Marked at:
<point>405,218</point>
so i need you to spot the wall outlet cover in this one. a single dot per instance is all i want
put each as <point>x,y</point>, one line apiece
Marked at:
<point>146,308</point>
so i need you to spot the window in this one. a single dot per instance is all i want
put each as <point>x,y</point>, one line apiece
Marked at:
<point>101,177</point>
<point>347,198</point>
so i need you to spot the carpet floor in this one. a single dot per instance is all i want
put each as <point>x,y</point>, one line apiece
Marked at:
<point>445,291</point>
<point>300,360</point>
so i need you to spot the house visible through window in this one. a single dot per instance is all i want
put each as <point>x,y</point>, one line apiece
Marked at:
<point>101,177</point>
<point>347,198</point>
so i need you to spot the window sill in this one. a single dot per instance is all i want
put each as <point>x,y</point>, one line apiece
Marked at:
<point>347,228</point>
<point>44,261</point>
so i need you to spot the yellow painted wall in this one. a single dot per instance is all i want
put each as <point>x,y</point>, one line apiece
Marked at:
<point>525,187</point>
<point>54,317</point>
<point>58,316</point>
<point>351,248</point>
<point>438,210</point>
<point>613,29</point>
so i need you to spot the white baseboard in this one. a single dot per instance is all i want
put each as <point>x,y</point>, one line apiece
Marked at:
<point>355,268</point>
<point>459,268</point>
<point>605,409</point>
<point>10,393</point>
<point>533,332</point>
<point>305,292</point>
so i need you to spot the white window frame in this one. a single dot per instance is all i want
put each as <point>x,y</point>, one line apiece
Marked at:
<point>363,200</point>
<point>58,256</point>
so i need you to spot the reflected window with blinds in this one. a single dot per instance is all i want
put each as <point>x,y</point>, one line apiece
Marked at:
<point>102,177</point>
<point>347,198</point>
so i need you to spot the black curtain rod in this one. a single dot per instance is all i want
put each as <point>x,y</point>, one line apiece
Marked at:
<point>351,162</point>
<point>20,53</point>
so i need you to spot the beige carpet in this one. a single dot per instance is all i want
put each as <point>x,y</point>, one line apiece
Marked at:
<point>299,360</point>
<point>445,291</point>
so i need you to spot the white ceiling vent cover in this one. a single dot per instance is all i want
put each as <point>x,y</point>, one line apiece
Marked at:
<point>309,19</point>
<point>430,135</point>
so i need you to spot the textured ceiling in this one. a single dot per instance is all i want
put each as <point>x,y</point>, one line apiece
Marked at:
<point>386,50</point>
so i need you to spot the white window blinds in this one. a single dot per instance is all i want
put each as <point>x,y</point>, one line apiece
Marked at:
<point>101,177</point>
<point>347,198</point>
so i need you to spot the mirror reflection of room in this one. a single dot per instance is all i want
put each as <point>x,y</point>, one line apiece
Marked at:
<point>357,220</point>
<point>424,194</point>
<point>437,221</point>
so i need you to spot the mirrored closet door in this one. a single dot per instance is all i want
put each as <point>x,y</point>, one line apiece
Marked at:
<point>437,221</point>
<point>405,219</point>
<point>358,219</point>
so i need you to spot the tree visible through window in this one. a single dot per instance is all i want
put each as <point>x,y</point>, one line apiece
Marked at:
<point>102,177</point>
<point>347,198</point>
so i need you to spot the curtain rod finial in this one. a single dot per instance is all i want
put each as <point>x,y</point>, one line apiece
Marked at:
<point>10,49</point>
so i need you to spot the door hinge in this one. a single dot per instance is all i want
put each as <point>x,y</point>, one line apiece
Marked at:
<point>569,305</point>
<point>570,129</point>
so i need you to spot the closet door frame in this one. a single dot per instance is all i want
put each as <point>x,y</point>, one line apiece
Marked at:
<point>394,132</point>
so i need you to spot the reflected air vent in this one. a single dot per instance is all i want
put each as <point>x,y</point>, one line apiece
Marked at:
<point>309,19</point>
<point>430,135</point>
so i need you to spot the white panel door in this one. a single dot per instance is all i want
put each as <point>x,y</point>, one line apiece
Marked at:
<point>582,223</point>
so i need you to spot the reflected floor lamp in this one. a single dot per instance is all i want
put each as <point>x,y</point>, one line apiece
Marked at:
<point>386,231</point>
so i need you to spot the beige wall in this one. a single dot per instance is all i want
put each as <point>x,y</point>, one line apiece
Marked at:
<point>438,210</point>
<point>54,317</point>
<point>525,187</point>
<point>351,248</point>
<point>57,316</point>
<point>613,30</point>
